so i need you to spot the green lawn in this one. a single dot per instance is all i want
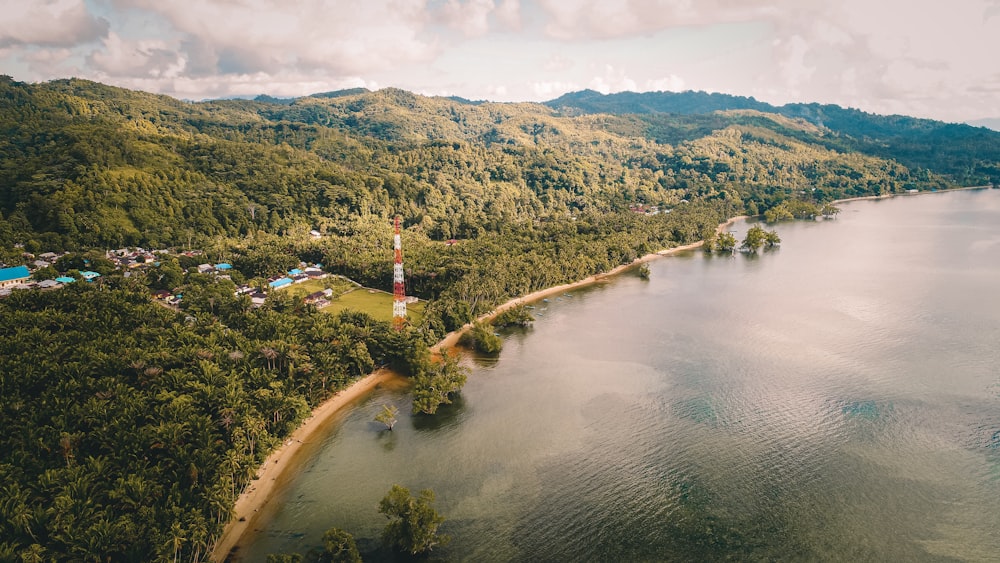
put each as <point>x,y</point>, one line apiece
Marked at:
<point>348,295</point>
<point>378,304</point>
<point>338,285</point>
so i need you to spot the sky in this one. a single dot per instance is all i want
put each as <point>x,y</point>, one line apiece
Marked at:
<point>927,58</point>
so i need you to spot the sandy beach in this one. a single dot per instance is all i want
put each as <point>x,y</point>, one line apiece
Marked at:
<point>252,503</point>
<point>887,196</point>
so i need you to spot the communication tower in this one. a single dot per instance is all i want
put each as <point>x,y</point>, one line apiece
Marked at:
<point>398,289</point>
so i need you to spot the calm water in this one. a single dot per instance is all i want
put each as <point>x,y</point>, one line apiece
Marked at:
<point>834,400</point>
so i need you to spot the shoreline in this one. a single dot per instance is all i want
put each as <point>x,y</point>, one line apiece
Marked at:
<point>451,339</point>
<point>892,195</point>
<point>252,503</point>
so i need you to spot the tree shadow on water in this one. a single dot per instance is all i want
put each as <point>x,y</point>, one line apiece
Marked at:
<point>446,415</point>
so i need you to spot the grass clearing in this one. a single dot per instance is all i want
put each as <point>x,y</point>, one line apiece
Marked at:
<point>378,304</point>
<point>349,295</point>
<point>338,284</point>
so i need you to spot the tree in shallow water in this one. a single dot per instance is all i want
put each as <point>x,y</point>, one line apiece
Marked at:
<point>339,547</point>
<point>481,338</point>
<point>771,239</point>
<point>644,271</point>
<point>387,416</point>
<point>725,242</point>
<point>756,237</point>
<point>413,522</point>
<point>434,384</point>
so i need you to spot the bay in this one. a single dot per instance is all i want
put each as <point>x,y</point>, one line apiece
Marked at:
<point>835,399</point>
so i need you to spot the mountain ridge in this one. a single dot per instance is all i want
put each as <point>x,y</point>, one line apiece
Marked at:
<point>83,163</point>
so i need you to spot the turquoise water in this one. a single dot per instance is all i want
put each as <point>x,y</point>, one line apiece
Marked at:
<point>837,399</point>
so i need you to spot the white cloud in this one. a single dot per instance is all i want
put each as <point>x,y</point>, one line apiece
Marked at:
<point>926,58</point>
<point>49,23</point>
<point>613,80</point>
<point>148,57</point>
<point>470,17</point>
<point>671,83</point>
<point>311,35</point>
<point>549,90</point>
<point>286,84</point>
<point>558,63</point>
<point>582,19</point>
<point>509,13</point>
<point>889,50</point>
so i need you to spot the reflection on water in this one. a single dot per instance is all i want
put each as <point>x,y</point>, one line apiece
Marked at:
<point>835,400</point>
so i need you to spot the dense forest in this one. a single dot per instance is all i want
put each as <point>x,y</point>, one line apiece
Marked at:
<point>83,164</point>
<point>131,427</point>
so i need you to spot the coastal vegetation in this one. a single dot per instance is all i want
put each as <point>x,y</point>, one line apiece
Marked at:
<point>724,242</point>
<point>482,338</point>
<point>517,315</point>
<point>436,382</point>
<point>387,416</point>
<point>644,271</point>
<point>413,522</point>
<point>338,547</point>
<point>755,238</point>
<point>131,427</point>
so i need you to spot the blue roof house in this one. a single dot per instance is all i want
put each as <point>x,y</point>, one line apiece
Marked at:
<point>14,276</point>
<point>90,276</point>
<point>281,282</point>
<point>65,279</point>
<point>223,266</point>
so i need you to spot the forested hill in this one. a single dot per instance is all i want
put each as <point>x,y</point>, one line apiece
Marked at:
<point>85,164</point>
<point>964,153</point>
<point>131,428</point>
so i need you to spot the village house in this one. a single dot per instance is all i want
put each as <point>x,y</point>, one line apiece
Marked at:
<point>315,273</point>
<point>10,277</point>
<point>280,282</point>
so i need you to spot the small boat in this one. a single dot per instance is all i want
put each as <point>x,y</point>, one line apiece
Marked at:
<point>529,306</point>
<point>545,300</point>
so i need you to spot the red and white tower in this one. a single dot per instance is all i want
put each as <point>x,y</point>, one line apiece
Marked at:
<point>398,289</point>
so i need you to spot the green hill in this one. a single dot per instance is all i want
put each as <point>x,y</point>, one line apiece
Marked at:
<point>965,154</point>
<point>84,164</point>
<point>132,427</point>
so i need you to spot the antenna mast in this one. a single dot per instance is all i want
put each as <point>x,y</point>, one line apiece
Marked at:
<point>398,289</point>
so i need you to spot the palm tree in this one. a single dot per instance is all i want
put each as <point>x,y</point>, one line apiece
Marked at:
<point>269,354</point>
<point>176,538</point>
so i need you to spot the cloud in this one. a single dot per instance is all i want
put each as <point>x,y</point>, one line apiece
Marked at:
<point>671,83</point>
<point>470,17</point>
<point>613,80</point>
<point>148,57</point>
<point>284,84</point>
<point>554,89</point>
<point>557,63</point>
<point>928,58</point>
<point>603,19</point>
<point>49,23</point>
<point>509,14</point>
<point>248,36</point>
